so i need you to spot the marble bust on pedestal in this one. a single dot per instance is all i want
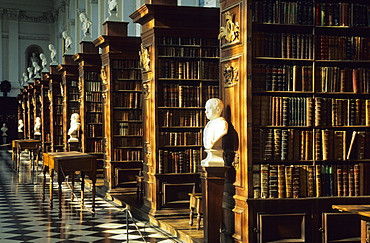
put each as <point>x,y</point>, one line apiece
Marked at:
<point>37,126</point>
<point>74,129</point>
<point>213,132</point>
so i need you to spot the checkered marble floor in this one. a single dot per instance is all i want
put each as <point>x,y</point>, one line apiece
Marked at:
<point>25,217</point>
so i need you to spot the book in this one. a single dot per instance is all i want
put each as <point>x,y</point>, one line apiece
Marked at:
<point>289,181</point>
<point>273,181</point>
<point>256,178</point>
<point>281,181</point>
<point>264,180</point>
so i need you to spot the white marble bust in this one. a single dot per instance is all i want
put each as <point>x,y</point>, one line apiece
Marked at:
<point>67,41</point>
<point>112,7</point>
<point>20,125</point>
<point>44,62</point>
<point>37,126</point>
<point>4,129</point>
<point>36,69</point>
<point>86,25</point>
<point>213,132</point>
<point>53,54</point>
<point>74,129</point>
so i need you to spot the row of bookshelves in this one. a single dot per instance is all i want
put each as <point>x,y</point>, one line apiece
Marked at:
<point>341,112</point>
<point>93,77</point>
<point>94,107</point>
<point>282,111</point>
<point>132,85</point>
<point>282,78</point>
<point>337,79</point>
<point>180,138</point>
<point>93,97</point>
<point>125,128</point>
<point>126,74</point>
<point>342,47</point>
<point>127,99</point>
<point>126,63</point>
<point>283,12</point>
<point>295,181</point>
<point>95,146</point>
<point>283,45</point>
<point>185,161</point>
<point>94,130</point>
<point>342,14</point>
<point>196,52</point>
<point>182,118</point>
<point>93,86</point>
<point>320,144</point>
<point>170,68</point>
<point>186,41</point>
<point>132,115</point>
<point>131,154</point>
<point>94,117</point>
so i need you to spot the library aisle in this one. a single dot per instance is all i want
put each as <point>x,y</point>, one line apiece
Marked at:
<point>25,217</point>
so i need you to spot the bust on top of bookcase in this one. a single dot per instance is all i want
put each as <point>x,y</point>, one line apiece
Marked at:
<point>183,74</point>
<point>306,64</point>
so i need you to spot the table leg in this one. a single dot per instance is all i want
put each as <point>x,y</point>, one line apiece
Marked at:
<point>82,188</point>
<point>43,182</point>
<point>51,172</point>
<point>60,180</point>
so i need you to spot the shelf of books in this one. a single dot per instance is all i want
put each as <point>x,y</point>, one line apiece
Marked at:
<point>91,102</point>
<point>71,95</point>
<point>56,109</point>
<point>180,63</point>
<point>306,99</point>
<point>122,110</point>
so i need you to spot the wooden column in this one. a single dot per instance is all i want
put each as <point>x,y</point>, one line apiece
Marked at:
<point>212,192</point>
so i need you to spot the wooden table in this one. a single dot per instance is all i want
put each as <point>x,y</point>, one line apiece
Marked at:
<point>32,145</point>
<point>363,211</point>
<point>67,163</point>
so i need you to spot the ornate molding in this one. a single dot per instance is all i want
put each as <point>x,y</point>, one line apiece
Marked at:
<point>28,37</point>
<point>13,14</point>
<point>147,149</point>
<point>231,75</point>
<point>231,30</point>
<point>47,17</point>
<point>144,58</point>
<point>146,90</point>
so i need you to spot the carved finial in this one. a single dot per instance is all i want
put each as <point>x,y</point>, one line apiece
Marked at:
<point>231,30</point>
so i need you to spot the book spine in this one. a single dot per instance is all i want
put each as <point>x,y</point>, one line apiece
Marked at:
<point>281,181</point>
<point>264,180</point>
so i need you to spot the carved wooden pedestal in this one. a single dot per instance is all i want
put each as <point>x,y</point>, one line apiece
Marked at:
<point>212,193</point>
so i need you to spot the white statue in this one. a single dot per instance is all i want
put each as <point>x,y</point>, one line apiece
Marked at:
<point>74,129</point>
<point>30,74</point>
<point>4,129</point>
<point>53,54</point>
<point>24,79</point>
<point>215,129</point>
<point>86,25</point>
<point>36,69</point>
<point>67,41</point>
<point>44,62</point>
<point>112,7</point>
<point>20,125</point>
<point>37,126</point>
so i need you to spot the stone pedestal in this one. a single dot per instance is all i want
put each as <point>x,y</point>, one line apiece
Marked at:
<point>73,146</point>
<point>212,196</point>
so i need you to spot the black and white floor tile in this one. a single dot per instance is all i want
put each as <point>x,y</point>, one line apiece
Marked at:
<point>25,217</point>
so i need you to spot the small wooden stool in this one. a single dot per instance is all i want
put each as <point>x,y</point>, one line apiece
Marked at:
<point>195,207</point>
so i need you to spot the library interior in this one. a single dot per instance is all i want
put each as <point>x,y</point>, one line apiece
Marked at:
<point>185,121</point>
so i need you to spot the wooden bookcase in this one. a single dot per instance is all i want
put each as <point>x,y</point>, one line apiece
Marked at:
<point>30,110</point>
<point>71,95</point>
<point>180,62</point>
<point>122,98</point>
<point>56,109</point>
<point>36,103</point>
<point>91,101</point>
<point>296,88</point>
<point>45,113</point>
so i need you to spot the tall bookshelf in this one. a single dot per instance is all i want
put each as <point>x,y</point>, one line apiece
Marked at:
<point>36,103</point>
<point>56,109</point>
<point>91,101</point>
<point>30,110</point>
<point>122,115</point>
<point>70,93</point>
<point>180,62</point>
<point>296,87</point>
<point>45,113</point>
